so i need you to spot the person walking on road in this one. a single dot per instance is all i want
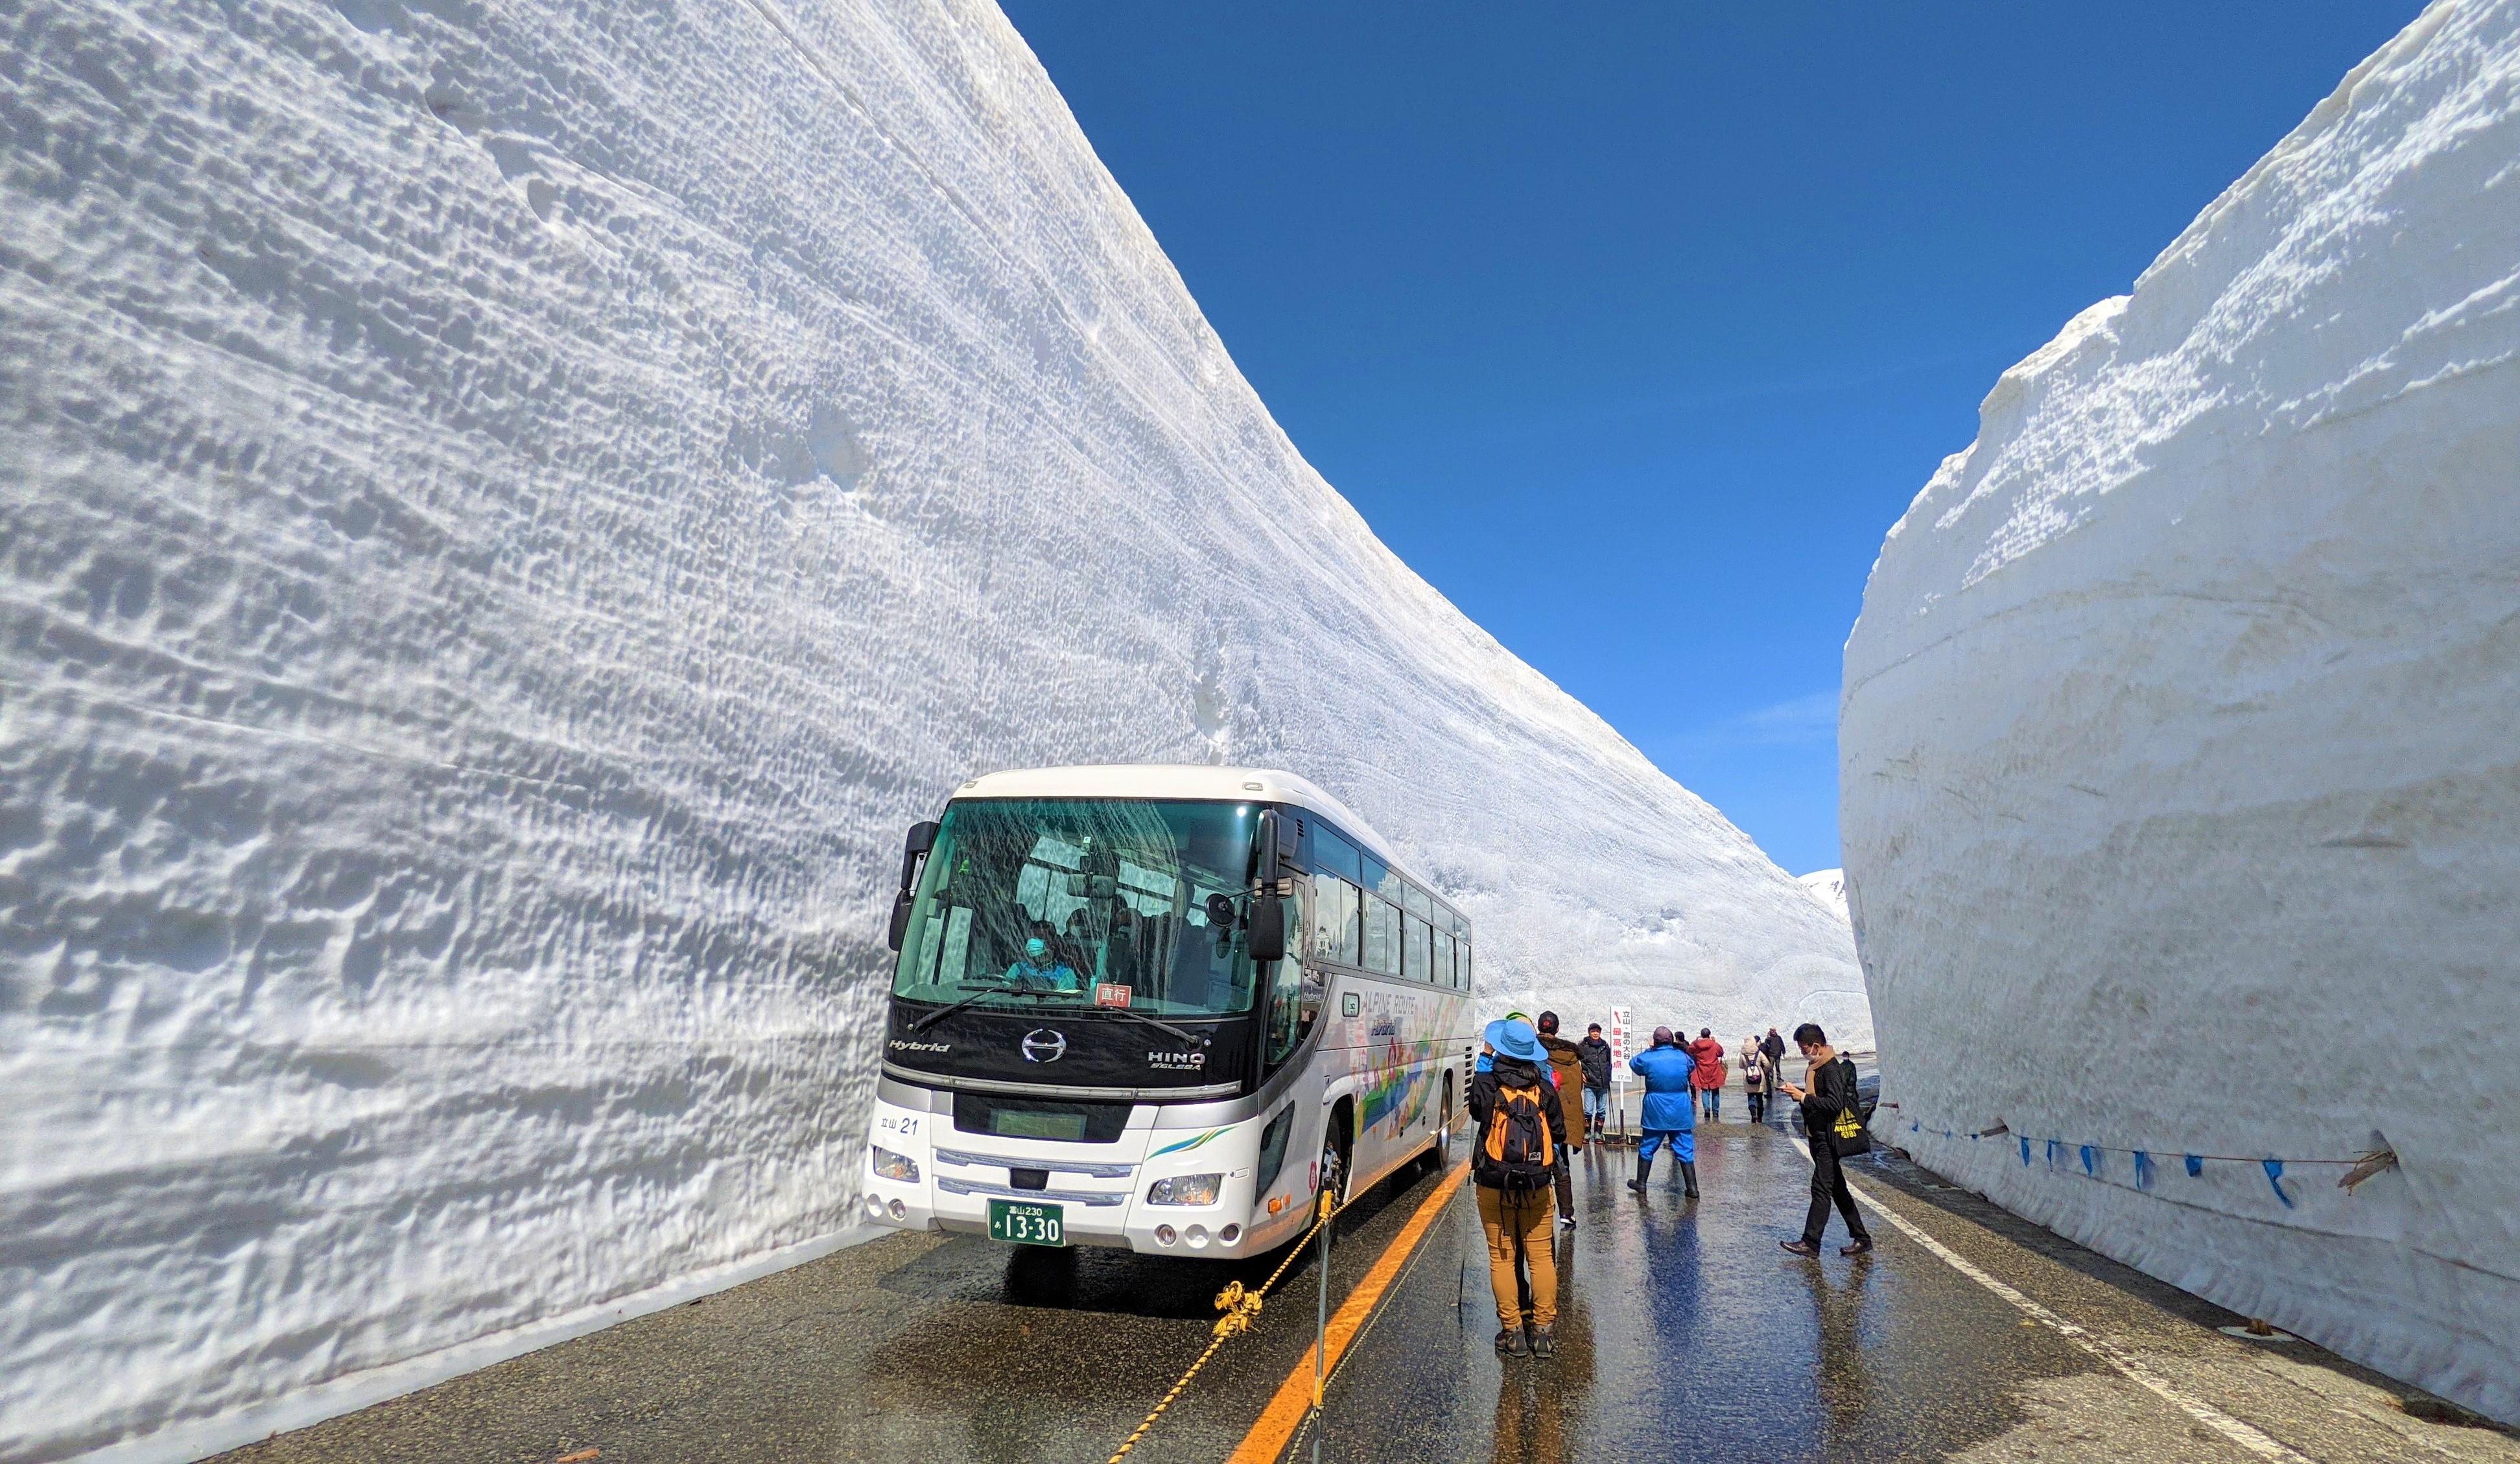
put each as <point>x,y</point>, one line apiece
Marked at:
<point>1754,1074</point>
<point>1669,1116</point>
<point>1833,1122</point>
<point>1521,1128</point>
<point>1708,1079</point>
<point>1596,1054</point>
<point>1567,1069</point>
<point>1772,1048</point>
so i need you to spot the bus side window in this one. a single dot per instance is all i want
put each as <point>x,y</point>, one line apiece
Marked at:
<point>1334,903</point>
<point>1289,1014</point>
<point>1382,935</point>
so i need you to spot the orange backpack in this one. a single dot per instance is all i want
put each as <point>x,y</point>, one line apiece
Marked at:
<point>1517,1153</point>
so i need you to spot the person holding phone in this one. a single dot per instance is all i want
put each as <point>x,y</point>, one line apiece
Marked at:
<point>1832,1093</point>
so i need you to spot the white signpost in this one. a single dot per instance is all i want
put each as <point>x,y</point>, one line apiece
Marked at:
<point>1619,1066</point>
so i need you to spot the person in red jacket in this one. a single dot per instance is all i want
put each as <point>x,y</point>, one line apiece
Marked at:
<point>1708,1079</point>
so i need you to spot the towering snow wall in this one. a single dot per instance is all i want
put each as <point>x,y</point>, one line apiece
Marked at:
<point>2182,789</point>
<point>510,510</point>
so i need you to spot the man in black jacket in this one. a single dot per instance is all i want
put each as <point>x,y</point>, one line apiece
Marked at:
<point>1832,1093</point>
<point>1774,1046</point>
<point>1595,1055</point>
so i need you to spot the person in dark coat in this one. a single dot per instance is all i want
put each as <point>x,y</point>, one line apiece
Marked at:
<point>1595,1055</point>
<point>1775,1047</point>
<point>1831,1094</point>
<point>1670,1113</point>
<point>1566,1068</point>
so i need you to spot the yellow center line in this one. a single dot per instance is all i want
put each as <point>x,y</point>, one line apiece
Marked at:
<point>1294,1397</point>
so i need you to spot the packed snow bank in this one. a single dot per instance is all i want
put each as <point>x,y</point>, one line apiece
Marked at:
<point>2181,799</point>
<point>511,513</point>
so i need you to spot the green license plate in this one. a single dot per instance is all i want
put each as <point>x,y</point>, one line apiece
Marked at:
<point>1026,1223</point>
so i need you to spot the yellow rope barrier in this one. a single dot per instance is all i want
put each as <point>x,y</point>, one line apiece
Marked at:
<point>1242,1308</point>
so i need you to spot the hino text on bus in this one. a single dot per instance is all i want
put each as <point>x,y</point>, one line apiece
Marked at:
<point>1160,1008</point>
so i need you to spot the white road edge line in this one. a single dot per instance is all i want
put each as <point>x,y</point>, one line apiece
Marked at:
<point>2107,1352</point>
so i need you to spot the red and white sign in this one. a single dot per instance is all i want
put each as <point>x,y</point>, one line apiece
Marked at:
<point>1110,996</point>
<point>1618,1045</point>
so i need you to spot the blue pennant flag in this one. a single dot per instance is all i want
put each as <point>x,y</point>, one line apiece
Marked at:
<point>2025,1151</point>
<point>2195,1165</point>
<point>2052,1146</point>
<point>2142,1171</point>
<point>2274,1177</point>
<point>2088,1160</point>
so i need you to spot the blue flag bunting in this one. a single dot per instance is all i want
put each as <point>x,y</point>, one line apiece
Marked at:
<point>2274,1177</point>
<point>2195,1165</point>
<point>2142,1171</point>
<point>2088,1159</point>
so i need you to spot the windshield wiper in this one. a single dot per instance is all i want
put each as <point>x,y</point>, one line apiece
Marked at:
<point>970,1001</point>
<point>1187,1036</point>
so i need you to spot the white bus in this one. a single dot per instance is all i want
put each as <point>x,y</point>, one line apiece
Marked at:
<point>1159,1007</point>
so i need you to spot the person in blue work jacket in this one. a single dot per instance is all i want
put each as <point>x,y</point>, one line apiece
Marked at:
<point>1671,1109</point>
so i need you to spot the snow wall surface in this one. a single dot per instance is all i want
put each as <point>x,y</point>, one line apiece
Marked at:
<point>2181,786</point>
<point>511,511</point>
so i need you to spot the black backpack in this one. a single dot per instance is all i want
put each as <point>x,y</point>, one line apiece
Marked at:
<point>1517,1152</point>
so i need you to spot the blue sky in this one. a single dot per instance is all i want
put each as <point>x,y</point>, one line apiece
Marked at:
<point>1633,326</point>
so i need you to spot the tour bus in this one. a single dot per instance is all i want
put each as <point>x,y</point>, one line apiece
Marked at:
<point>1160,1007</point>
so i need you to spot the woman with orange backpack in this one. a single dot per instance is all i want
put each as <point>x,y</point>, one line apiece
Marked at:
<point>1521,1129</point>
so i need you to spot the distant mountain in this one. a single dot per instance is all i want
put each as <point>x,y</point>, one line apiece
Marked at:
<point>1829,886</point>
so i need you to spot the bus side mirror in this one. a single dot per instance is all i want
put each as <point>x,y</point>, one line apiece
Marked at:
<point>914,854</point>
<point>1268,910</point>
<point>1268,925</point>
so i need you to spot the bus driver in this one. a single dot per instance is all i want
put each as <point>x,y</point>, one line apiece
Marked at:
<point>1037,970</point>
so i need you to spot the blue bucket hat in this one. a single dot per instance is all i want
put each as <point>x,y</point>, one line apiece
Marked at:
<point>1036,947</point>
<point>1516,1039</point>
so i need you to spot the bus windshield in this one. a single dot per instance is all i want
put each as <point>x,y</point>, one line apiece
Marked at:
<point>1080,902</point>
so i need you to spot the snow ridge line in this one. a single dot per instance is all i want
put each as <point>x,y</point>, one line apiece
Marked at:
<point>2244,1435</point>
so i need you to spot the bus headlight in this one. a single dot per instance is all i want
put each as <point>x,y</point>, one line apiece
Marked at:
<point>891,1166</point>
<point>1186,1189</point>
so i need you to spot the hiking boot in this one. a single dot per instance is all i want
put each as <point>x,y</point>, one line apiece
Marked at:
<point>1861,1246</point>
<point>1799,1247</point>
<point>1645,1171</point>
<point>1511,1342</point>
<point>1544,1344</point>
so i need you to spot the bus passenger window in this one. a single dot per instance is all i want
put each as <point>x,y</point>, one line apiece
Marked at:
<point>1444,959</point>
<point>1335,915</point>
<point>1381,937</point>
<point>1414,960</point>
<point>1335,856</point>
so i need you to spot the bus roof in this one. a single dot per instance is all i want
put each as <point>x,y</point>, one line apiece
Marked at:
<point>1188,781</point>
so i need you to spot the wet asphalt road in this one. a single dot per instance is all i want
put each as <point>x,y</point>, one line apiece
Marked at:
<point>1685,1335</point>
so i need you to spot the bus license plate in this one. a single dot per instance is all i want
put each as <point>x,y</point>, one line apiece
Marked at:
<point>1026,1223</point>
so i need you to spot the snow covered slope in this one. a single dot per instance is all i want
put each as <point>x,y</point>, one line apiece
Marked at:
<point>511,511</point>
<point>2181,791</point>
